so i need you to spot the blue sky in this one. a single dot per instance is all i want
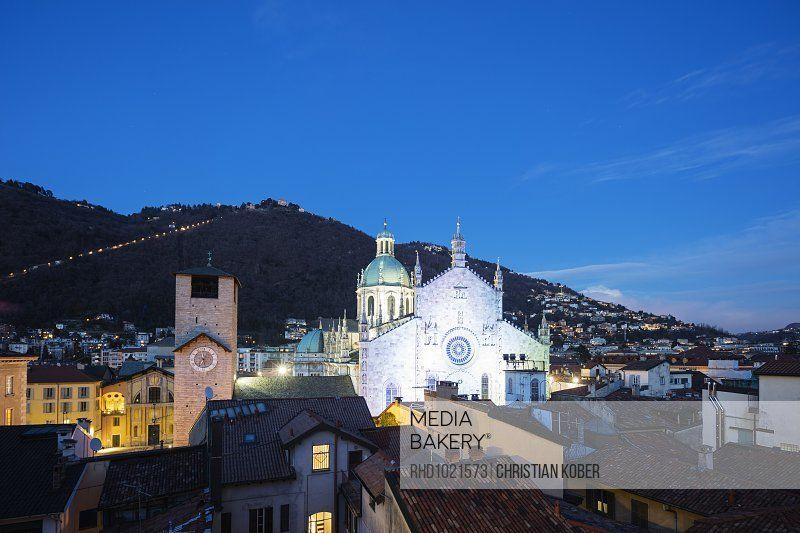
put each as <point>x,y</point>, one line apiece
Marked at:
<point>644,153</point>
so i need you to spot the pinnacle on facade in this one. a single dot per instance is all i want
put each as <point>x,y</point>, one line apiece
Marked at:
<point>498,278</point>
<point>417,272</point>
<point>458,247</point>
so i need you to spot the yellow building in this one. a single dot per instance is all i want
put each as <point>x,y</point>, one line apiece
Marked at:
<point>136,410</point>
<point>13,379</point>
<point>61,395</point>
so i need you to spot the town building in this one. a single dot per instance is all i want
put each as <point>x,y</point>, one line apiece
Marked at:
<point>62,394</point>
<point>649,377</point>
<point>137,409</point>
<point>41,468</point>
<point>450,328</point>
<point>14,380</point>
<point>206,319</point>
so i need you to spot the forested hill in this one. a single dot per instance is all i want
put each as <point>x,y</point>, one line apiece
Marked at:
<point>290,262</point>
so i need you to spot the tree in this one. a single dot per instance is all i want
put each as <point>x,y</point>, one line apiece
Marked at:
<point>583,354</point>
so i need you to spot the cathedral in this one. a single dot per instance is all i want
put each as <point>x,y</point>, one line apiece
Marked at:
<point>415,333</point>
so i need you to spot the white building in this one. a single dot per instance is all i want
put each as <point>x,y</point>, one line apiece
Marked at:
<point>649,377</point>
<point>450,328</point>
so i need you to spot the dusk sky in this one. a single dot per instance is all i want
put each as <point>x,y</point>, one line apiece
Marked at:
<point>646,153</point>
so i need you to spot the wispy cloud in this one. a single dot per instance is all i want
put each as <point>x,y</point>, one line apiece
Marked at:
<point>745,280</point>
<point>760,63</point>
<point>708,155</point>
<point>699,157</point>
<point>588,270</point>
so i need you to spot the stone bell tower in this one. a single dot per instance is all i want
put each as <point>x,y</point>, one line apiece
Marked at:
<point>206,322</point>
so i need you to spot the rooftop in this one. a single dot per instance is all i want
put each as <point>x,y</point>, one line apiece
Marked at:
<point>59,374</point>
<point>781,367</point>
<point>263,458</point>
<point>647,364</point>
<point>156,473</point>
<point>28,455</point>
<point>250,388</point>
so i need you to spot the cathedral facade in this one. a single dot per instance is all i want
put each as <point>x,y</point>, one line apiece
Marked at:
<point>448,328</point>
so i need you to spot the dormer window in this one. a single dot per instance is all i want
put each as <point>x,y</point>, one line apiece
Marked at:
<point>205,287</point>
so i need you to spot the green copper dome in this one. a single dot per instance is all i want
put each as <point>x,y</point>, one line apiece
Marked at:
<point>312,342</point>
<point>385,270</point>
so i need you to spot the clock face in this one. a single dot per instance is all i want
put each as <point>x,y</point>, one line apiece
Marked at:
<point>203,359</point>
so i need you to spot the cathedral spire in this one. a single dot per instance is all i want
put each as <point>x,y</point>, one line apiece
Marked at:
<point>544,331</point>
<point>498,277</point>
<point>417,272</point>
<point>458,247</point>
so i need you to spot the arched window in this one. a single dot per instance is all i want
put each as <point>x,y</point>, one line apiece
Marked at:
<point>371,306</point>
<point>137,398</point>
<point>390,305</point>
<point>392,392</point>
<point>485,387</point>
<point>320,523</point>
<point>534,390</point>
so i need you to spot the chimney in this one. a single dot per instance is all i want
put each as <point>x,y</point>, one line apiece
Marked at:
<point>476,453</point>
<point>58,470</point>
<point>705,458</point>
<point>215,466</point>
<point>85,424</point>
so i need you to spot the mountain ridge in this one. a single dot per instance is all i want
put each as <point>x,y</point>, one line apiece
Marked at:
<point>291,262</point>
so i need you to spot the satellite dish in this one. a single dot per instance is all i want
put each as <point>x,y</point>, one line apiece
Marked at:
<point>95,445</point>
<point>209,393</point>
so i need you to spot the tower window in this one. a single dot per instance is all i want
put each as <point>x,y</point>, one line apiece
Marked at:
<point>205,287</point>
<point>370,306</point>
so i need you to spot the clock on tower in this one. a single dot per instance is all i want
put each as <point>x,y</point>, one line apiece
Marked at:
<point>205,341</point>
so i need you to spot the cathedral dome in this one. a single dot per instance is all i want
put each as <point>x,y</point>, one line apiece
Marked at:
<point>385,270</point>
<point>312,342</point>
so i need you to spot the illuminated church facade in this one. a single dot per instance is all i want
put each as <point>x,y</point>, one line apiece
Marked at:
<point>414,333</point>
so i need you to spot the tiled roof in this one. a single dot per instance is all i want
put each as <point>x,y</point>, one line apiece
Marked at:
<point>653,456</point>
<point>206,271</point>
<point>500,511</point>
<point>307,422</point>
<point>28,456</point>
<point>157,473</point>
<point>132,366</point>
<point>647,364</point>
<point>371,473</point>
<point>15,355</point>
<point>293,387</point>
<point>387,439</point>
<point>199,331</point>
<point>58,374</point>
<point>265,459</point>
<point>167,341</point>
<point>778,519</point>
<point>779,368</point>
